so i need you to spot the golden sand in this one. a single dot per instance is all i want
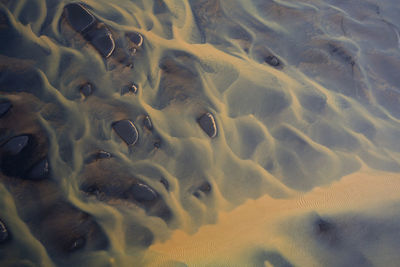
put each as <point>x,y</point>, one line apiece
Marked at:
<point>254,133</point>
<point>258,223</point>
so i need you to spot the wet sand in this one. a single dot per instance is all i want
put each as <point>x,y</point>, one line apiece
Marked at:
<point>286,229</point>
<point>199,133</point>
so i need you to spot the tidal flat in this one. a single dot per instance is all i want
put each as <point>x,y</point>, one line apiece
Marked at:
<point>215,133</point>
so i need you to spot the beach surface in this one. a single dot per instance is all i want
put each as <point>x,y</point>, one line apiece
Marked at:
<point>199,133</point>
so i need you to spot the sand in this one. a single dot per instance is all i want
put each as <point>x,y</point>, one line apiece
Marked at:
<point>286,227</point>
<point>199,133</point>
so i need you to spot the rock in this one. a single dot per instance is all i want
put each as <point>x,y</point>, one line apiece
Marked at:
<point>129,88</point>
<point>157,144</point>
<point>5,106</point>
<point>143,193</point>
<point>147,123</point>
<point>134,88</point>
<point>98,156</point>
<point>39,171</point>
<point>273,61</point>
<point>135,41</point>
<point>165,183</point>
<point>20,158</point>
<point>92,189</point>
<point>127,131</point>
<point>207,123</point>
<point>17,155</point>
<point>101,38</point>
<point>205,187</point>
<point>86,89</point>
<point>4,235</point>
<point>79,17</point>
<point>135,38</point>
<point>15,145</point>
<point>94,32</point>
<point>103,155</point>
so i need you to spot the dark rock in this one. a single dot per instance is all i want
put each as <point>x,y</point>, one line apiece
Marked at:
<point>147,123</point>
<point>5,106</point>
<point>17,155</point>
<point>96,33</point>
<point>103,155</point>
<point>135,38</point>
<point>15,145</point>
<point>134,88</point>
<point>101,38</point>
<point>273,61</point>
<point>91,189</point>
<point>111,186</point>
<point>127,131</point>
<point>205,187</point>
<point>39,171</point>
<point>98,156</point>
<point>157,144</point>
<point>129,88</point>
<point>143,193</point>
<point>165,183</point>
<point>4,235</point>
<point>79,17</point>
<point>135,41</point>
<point>207,123</point>
<point>86,89</point>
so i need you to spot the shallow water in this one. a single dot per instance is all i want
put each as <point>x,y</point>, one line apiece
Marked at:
<point>199,133</point>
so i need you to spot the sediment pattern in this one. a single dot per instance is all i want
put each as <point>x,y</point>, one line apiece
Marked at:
<point>124,121</point>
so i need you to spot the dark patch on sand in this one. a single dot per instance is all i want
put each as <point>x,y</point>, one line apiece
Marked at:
<point>20,156</point>
<point>273,61</point>
<point>86,89</point>
<point>5,106</point>
<point>4,233</point>
<point>107,182</point>
<point>99,155</point>
<point>79,17</point>
<point>64,229</point>
<point>208,124</point>
<point>148,123</point>
<point>94,31</point>
<point>127,131</point>
<point>130,88</point>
